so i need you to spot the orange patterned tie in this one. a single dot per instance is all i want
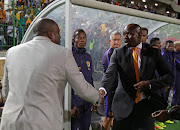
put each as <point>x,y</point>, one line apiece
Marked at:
<point>136,67</point>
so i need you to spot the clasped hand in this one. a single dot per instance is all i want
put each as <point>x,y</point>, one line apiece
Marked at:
<point>142,86</point>
<point>75,112</point>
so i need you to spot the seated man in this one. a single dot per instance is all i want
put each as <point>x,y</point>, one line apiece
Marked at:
<point>163,115</point>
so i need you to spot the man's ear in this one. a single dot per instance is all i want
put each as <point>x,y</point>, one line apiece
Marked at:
<point>73,40</point>
<point>50,35</point>
<point>140,34</point>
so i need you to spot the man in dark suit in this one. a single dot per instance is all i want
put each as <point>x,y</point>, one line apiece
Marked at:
<point>135,64</point>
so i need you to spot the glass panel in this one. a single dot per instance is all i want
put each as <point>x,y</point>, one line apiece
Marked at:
<point>98,25</point>
<point>167,32</point>
<point>58,15</point>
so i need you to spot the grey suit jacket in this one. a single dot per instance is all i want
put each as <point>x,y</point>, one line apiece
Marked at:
<point>122,63</point>
<point>35,76</point>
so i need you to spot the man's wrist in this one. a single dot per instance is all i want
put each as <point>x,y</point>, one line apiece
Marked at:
<point>101,88</point>
<point>149,86</point>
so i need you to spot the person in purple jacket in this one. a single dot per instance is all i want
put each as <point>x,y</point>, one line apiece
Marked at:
<point>81,109</point>
<point>115,42</point>
<point>176,95</point>
<point>168,54</point>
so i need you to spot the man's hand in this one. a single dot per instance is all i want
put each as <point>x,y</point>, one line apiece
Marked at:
<point>176,106</point>
<point>161,115</point>
<point>94,108</point>
<point>142,86</point>
<point>75,112</point>
<point>102,95</point>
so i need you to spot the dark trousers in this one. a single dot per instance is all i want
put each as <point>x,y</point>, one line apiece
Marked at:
<point>139,119</point>
<point>83,121</point>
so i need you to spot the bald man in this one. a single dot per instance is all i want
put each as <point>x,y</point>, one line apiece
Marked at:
<point>135,64</point>
<point>35,77</point>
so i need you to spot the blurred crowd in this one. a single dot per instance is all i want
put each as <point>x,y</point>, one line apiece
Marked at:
<point>25,12</point>
<point>138,6</point>
<point>34,3</point>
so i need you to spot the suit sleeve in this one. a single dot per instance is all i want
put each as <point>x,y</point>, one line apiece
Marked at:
<point>166,75</point>
<point>5,89</point>
<point>111,72</point>
<point>77,81</point>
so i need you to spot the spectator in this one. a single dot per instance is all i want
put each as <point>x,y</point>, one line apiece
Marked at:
<point>28,13</point>
<point>8,35</point>
<point>2,20</point>
<point>44,3</point>
<point>168,54</point>
<point>20,3</point>
<point>28,21</point>
<point>81,109</point>
<point>155,43</point>
<point>159,101</point>
<point>1,34</point>
<point>176,94</point>
<point>37,3</point>
<point>21,28</point>
<point>163,115</point>
<point>8,16</point>
<point>2,12</point>
<point>17,15</point>
<point>115,42</point>
<point>31,3</point>
<point>144,35</point>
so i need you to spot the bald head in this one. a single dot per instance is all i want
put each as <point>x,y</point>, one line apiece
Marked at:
<point>134,27</point>
<point>48,28</point>
<point>43,26</point>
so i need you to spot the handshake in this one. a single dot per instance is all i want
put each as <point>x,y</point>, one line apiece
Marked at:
<point>102,93</point>
<point>75,111</point>
<point>100,101</point>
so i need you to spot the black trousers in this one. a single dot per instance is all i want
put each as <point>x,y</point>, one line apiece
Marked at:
<point>139,119</point>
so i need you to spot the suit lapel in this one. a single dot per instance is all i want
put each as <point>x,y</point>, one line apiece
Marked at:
<point>143,60</point>
<point>129,65</point>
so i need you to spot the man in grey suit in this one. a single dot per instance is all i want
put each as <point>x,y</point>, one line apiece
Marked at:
<point>135,64</point>
<point>35,77</point>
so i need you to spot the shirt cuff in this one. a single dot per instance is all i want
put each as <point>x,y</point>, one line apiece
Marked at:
<point>101,88</point>
<point>149,86</point>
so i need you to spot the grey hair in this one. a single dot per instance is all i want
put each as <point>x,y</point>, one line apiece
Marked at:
<point>176,43</point>
<point>114,33</point>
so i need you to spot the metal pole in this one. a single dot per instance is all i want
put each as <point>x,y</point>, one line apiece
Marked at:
<point>178,13</point>
<point>68,44</point>
<point>13,23</point>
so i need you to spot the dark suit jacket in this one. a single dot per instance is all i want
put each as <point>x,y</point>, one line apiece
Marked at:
<point>122,63</point>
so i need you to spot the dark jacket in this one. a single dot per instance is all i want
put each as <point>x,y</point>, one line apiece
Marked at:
<point>122,63</point>
<point>105,63</point>
<point>169,57</point>
<point>174,113</point>
<point>84,63</point>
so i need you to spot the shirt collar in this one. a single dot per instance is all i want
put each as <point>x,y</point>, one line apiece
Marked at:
<point>41,38</point>
<point>139,46</point>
